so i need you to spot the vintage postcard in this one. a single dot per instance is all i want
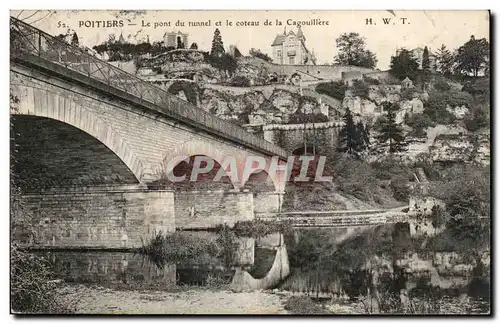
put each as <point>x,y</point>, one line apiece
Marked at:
<point>250,162</point>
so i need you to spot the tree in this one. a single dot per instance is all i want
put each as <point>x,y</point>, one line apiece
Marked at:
<point>217,45</point>
<point>74,40</point>
<point>467,194</point>
<point>426,65</point>
<point>419,122</point>
<point>473,56</point>
<point>403,65</point>
<point>224,62</point>
<point>479,89</point>
<point>444,60</point>
<point>479,117</point>
<point>364,133</point>
<point>194,46</point>
<point>435,107</point>
<point>352,137</point>
<point>390,133</point>
<point>352,51</point>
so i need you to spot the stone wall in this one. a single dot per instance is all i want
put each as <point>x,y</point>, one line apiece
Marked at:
<point>291,136</point>
<point>107,217</point>
<point>205,209</point>
<point>307,72</point>
<point>267,202</point>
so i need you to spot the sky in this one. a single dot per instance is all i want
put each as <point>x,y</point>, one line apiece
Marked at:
<point>406,28</point>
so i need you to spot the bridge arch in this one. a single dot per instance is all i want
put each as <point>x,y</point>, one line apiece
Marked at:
<point>280,269</point>
<point>41,103</point>
<point>262,180</point>
<point>202,148</point>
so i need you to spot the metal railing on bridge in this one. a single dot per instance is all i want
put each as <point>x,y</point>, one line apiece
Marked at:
<point>28,40</point>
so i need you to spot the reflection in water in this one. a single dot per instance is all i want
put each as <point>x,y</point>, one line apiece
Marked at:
<point>325,263</point>
<point>376,262</point>
<point>108,268</point>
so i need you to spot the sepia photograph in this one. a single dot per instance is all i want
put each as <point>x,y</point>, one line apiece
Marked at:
<point>250,162</point>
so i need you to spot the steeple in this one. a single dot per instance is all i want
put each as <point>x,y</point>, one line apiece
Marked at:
<point>121,40</point>
<point>299,33</point>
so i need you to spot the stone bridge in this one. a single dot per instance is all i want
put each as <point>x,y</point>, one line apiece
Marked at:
<point>94,146</point>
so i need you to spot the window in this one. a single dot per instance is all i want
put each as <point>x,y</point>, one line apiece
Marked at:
<point>291,60</point>
<point>278,53</point>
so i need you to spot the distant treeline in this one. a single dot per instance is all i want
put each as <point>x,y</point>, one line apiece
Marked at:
<point>126,51</point>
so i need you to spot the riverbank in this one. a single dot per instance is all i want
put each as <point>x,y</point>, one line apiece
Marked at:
<point>99,300</point>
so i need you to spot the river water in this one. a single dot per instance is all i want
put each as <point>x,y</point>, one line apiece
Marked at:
<point>329,265</point>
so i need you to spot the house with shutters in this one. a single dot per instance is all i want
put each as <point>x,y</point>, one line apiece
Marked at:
<point>290,49</point>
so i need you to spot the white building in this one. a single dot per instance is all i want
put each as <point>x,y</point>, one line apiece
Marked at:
<point>290,49</point>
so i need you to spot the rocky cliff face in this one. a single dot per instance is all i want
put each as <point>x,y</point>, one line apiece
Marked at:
<point>181,64</point>
<point>254,107</point>
<point>369,106</point>
<point>468,148</point>
<point>188,74</point>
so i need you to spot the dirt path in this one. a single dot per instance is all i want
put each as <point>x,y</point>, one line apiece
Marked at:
<point>98,300</point>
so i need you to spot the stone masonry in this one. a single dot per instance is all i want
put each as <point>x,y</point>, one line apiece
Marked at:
<point>106,217</point>
<point>101,155</point>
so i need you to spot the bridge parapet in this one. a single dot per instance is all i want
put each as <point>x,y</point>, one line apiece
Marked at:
<point>35,48</point>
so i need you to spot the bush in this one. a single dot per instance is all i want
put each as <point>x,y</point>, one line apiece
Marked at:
<point>356,178</point>
<point>178,247</point>
<point>33,285</point>
<point>371,81</point>
<point>400,188</point>
<point>478,118</point>
<point>360,89</point>
<point>304,305</point>
<point>459,98</point>
<point>419,122</point>
<point>225,62</point>
<point>479,89</point>
<point>226,241</point>
<point>435,108</point>
<point>334,89</point>
<point>257,53</point>
<point>442,86</point>
<point>300,118</point>
<point>389,167</point>
<point>240,81</point>
<point>257,228</point>
<point>408,93</point>
<point>436,105</point>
